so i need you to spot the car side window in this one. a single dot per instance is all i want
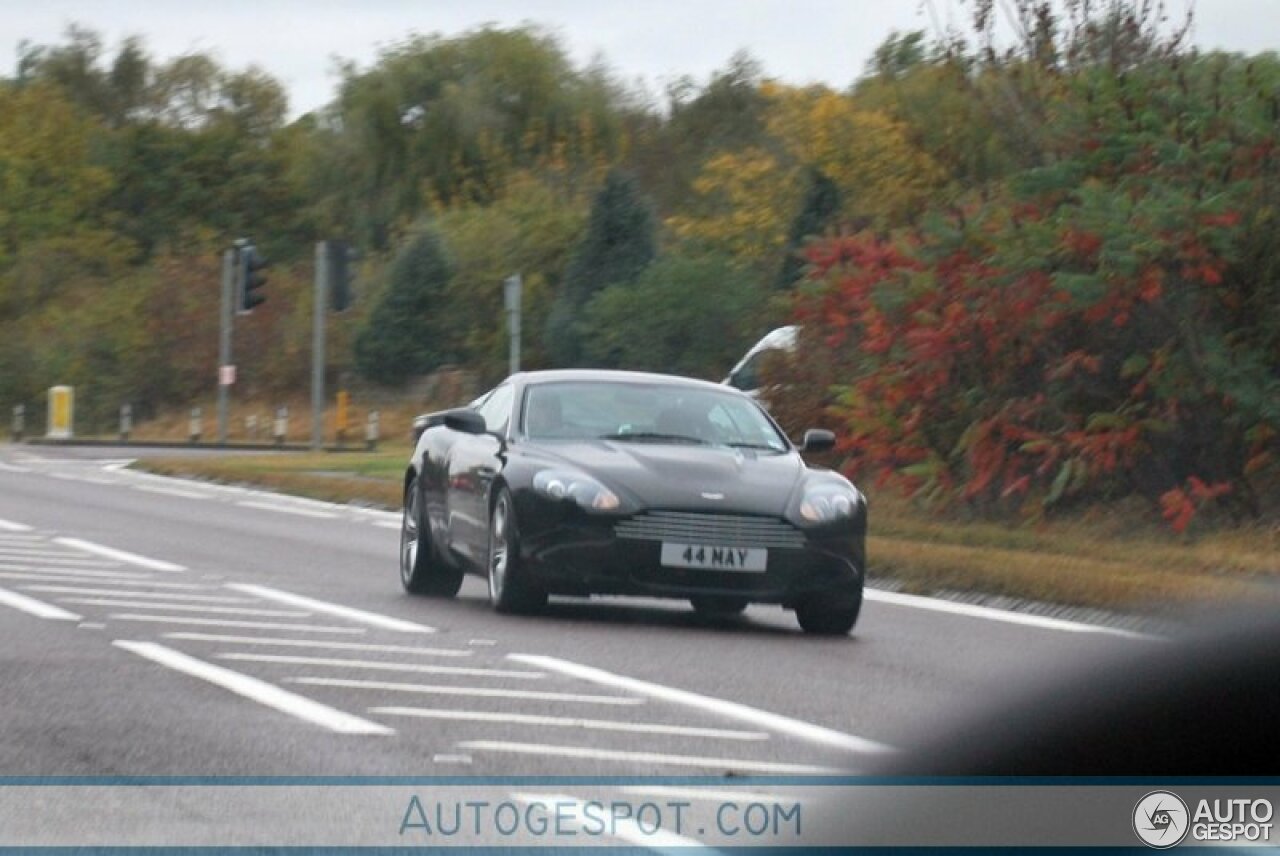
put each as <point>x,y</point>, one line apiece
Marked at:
<point>496,409</point>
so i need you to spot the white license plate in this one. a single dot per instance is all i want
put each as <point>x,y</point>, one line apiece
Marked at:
<point>714,558</point>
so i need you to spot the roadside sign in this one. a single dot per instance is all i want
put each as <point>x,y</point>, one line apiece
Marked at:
<point>61,412</point>
<point>226,375</point>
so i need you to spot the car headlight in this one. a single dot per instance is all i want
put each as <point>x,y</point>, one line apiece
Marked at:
<point>829,502</point>
<point>582,489</point>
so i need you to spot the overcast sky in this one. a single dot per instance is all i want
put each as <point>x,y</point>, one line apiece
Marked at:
<point>799,41</point>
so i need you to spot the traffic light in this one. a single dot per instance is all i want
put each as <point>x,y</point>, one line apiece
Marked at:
<point>342,258</point>
<point>249,279</point>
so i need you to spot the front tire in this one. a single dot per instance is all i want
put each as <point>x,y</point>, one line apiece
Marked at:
<point>823,618</point>
<point>509,591</point>
<point>421,570</point>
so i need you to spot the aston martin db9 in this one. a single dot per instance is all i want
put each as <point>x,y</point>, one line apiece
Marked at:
<point>599,482</point>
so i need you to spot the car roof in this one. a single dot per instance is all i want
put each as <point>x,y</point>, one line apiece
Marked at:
<point>614,375</point>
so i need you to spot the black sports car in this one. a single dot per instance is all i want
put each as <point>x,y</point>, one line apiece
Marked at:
<point>598,482</point>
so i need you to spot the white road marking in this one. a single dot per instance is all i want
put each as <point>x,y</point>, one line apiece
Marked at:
<point>58,563</point>
<point>478,692</point>
<point>13,526</point>
<point>482,642</point>
<point>38,608</point>
<point>256,690</point>
<point>320,643</point>
<point>119,555</point>
<point>572,722</point>
<point>115,465</point>
<point>973,611</point>
<point>285,509</point>
<point>443,758</point>
<point>13,468</point>
<point>387,524</point>
<point>91,625</point>
<point>31,552</point>
<point>587,752</point>
<point>27,572</point>
<point>151,595</point>
<point>385,622</point>
<point>77,577</point>
<point>625,828</point>
<point>183,607</point>
<point>378,665</point>
<point>220,622</point>
<point>714,795</point>
<point>762,718</point>
<point>170,491</point>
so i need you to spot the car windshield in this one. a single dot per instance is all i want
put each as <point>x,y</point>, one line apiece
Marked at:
<point>647,413</point>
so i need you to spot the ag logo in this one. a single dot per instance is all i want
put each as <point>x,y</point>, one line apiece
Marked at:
<point>1160,819</point>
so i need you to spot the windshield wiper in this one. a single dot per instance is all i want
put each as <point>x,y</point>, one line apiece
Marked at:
<point>654,435</point>
<point>761,446</point>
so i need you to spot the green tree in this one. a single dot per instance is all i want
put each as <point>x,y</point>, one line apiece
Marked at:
<point>818,211</point>
<point>407,333</point>
<point>686,315</point>
<point>620,242</point>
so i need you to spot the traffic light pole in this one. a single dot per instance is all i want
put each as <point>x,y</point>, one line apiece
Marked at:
<point>224,340</point>
<point>317,344</point>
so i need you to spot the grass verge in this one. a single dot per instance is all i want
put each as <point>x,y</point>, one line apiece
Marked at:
<point>1106,560</point>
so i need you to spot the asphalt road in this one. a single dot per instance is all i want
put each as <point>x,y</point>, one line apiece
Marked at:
<point>155,627</point>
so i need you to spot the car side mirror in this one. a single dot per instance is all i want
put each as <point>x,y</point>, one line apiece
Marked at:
<point>818,440</point>
<point>466,421</point>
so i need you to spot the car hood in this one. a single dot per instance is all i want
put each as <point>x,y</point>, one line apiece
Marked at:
<point>688,477</point>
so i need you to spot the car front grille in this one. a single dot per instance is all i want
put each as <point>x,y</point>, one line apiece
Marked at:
<point>730,530</point>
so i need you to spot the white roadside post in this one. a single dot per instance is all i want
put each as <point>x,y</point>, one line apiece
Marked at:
<point>371,431</point>
<point>126,422</point>
<point>196,426</point>
<point>19,422</point>
<point>511,294</point>
<point>281,427</point>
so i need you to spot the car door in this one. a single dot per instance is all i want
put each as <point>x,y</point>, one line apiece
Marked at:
<point>474,461</point>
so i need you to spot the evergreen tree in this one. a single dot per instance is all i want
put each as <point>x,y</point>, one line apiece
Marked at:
<point>619,244</point>
<point>408,332</point>
<point>818,211</point>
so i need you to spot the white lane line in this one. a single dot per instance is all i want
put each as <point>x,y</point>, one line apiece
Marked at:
<point>38,608</point>
<point>586,752</point>
<point>378,665</point>
<point>387,524</point>
<point>115,465</point>
<point>148,595</point>
<point>170,491</point>
<point>221,622</point>
<point>571,722</point>
<point>712,795</point>
<point>59,561</point>
<point>119,555</point>
<point>762,718</point>
<point>183,607</point>
<point>624,827</point>
<point>482,642</point>
<point>13,526</point>
<point>29,572</point>
<point>285,509</point>
<point>13,468</point>
<point>445,758</point>
<point>476,692</point>
<point>320,643</point>
<point>91,625</point>
<point>256,690</point>
<point>385,622</point>
<point>97,580</point>
<point>973,611</point>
